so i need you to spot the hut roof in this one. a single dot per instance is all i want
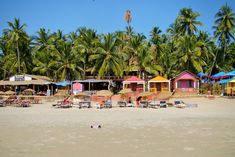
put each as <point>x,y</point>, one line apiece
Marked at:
<point>159,79</point>
<point>133,79</point>
<point>186,75</point>
<point>33,82</point>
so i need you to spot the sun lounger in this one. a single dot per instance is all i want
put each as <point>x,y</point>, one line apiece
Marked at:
<point>2,103</point>
<point>85,104</point>
<point>163,104</point>
<point>143,104</point>
<point>122,103</point>
<point>181,104</point>
<point>108,104</point>
<point>153,105</point>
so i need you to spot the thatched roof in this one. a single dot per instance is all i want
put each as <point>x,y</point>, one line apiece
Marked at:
<point>33,82</point>
<point>39,77</point>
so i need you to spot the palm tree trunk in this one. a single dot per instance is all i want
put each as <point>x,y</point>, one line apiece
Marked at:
<point>18,55</point>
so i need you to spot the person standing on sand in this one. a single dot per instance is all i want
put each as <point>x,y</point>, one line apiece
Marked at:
<point>138,101</point>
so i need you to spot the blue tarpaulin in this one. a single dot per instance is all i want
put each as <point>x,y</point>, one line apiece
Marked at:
<point>231,73</point>
<point>201,74</point>
<point>225,81</point>
<point>64,83</point>
<point>220,74</point>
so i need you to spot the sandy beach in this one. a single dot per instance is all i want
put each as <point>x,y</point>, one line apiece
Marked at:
<point>43,131</point>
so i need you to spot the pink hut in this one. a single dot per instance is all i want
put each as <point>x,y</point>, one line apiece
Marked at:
<point>186,82</point>
<point>135,84</point>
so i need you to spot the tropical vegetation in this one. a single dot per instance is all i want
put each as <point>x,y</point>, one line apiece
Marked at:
<point>84,52</point>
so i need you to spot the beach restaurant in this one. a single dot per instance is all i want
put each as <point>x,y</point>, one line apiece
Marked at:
<point>19,83</point>
<point>135,84</point>
<point>159,84</point>
<point>186,82</point>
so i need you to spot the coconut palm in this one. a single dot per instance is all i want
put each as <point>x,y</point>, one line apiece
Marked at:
<point>17,38</point>
<point>187,21</point>
<point>190,56</point>
<point>107,58</point>
<point>224,29</point>
<point>66,62</point>
<point>87,43</point>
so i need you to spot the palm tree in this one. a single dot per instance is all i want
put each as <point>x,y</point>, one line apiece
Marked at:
<point>17,37</point>
<point>107,58</point>
<point>190,57</point>
<point>187,21</point>
<point>87,43</point>
<point>224,29</point>
<point>66,62</point>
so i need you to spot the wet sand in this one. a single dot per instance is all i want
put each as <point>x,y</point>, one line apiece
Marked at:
<point>43,131</point>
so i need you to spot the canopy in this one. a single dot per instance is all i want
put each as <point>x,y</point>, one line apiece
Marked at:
<point>231,73</point>
<point>64,83</point>
<point>218,75</point>
<point>159,79</point>
<point>201,74</point>
<point>225,81</point>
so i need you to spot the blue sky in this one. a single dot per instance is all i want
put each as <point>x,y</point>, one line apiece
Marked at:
<point>104,15</point>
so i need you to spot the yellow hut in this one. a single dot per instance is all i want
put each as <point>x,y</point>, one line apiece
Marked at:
<point>159,84</point>
<point>230,87</point>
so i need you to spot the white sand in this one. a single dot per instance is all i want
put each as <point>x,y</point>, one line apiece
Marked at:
<point>42,131</point>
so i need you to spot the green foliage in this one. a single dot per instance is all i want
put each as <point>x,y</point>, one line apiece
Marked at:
<point>74,55</point>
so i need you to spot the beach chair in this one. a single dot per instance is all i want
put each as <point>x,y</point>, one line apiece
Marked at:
<point>100,105</point>
<point>143,104</point>
<point>163,104</point>
<point>2,103</point>
<point>122,103</point>
<point>108,104</point>
<point>181,104</point>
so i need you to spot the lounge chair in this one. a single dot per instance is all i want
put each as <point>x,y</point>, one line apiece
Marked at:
<point>163,104</point>
<point>2,103</point>
<point>181,104</point>
<point>64,103</point>
<point>122,103</point>
<point>143,104</point>
<point>108,104</point>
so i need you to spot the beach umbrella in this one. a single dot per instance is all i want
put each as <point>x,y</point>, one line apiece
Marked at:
<point>81,94</point>
<point>9,92</point>
<point>164,95</point>
<point>125,91</point>
<point>2,93</point>
<point>143,94</point>
<point>29,90</point>
<point>104,93</point>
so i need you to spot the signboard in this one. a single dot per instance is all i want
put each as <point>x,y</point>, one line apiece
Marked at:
<point>19,77</point>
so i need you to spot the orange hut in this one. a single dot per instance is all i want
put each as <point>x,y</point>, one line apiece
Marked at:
<point>158,84</point>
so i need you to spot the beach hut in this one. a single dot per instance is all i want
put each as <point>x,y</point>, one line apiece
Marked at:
<point>228,86</point>
<point>135,84</point>
<point>186,82</point>
<point>158,84</point>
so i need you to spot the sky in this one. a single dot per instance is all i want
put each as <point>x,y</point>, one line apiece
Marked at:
<point>105,15</point>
